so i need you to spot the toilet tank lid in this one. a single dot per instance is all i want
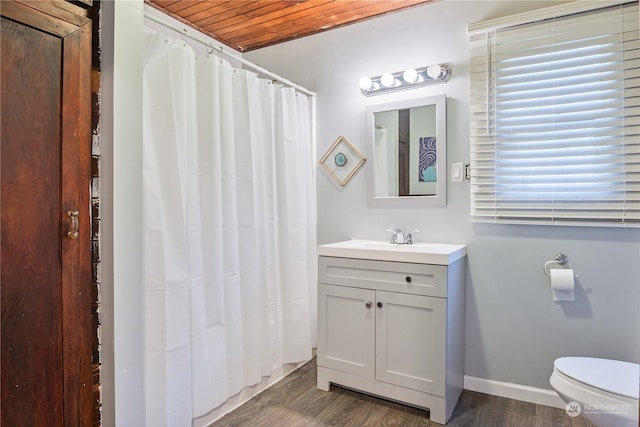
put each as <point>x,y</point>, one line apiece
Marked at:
<point>614,376</point>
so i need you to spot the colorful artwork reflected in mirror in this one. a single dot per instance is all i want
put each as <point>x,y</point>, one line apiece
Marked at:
<point>427,155</point>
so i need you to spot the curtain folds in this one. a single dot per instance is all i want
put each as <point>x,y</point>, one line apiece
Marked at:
<point>229,230</point>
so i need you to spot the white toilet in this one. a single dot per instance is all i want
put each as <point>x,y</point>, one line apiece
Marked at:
<point>606,391</point>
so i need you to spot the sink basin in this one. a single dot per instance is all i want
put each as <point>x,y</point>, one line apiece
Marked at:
<point>426,253</point>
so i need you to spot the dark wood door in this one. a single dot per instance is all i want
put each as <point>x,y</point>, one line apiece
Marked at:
<point>45,296</point>
<point>404,151</point>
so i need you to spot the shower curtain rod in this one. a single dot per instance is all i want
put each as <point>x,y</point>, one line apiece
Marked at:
<point>208,44</point>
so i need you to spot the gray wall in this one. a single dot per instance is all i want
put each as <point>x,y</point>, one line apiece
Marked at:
<point>514,330</point>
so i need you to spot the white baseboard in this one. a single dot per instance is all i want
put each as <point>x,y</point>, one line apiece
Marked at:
<point>539,396</point>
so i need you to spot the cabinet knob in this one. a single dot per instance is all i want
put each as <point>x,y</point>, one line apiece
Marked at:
<point>379,304</point>
<point>408,279</point>
<point>368,304</point>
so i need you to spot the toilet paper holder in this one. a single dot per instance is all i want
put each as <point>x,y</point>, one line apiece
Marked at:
<point>560,259</point>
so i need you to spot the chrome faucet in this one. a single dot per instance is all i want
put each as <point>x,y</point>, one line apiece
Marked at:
<point>398,237</point>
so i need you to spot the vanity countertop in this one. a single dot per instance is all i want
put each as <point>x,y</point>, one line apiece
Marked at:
<point>423,253</point>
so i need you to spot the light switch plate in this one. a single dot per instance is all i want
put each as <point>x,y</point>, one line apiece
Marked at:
<point>457,172</point>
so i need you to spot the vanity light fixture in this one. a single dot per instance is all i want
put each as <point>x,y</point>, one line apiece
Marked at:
<point>408,79</point>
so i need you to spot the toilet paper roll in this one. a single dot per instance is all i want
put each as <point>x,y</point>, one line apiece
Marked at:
<point>562,284</point>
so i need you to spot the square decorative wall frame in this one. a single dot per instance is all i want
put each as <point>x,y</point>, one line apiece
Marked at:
<point>341,161</point>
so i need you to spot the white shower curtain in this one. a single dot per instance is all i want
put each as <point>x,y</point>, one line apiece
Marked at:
<point>229,230</point>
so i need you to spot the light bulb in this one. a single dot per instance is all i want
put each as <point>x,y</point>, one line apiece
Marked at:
<point>410,75</point>
<point>435,71</point>
<point>365,83</point>
<point>387,80</point>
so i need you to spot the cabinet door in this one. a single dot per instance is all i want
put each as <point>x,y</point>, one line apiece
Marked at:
<point>410,341</point>
<point>346,329</point>
<point>45,173</point>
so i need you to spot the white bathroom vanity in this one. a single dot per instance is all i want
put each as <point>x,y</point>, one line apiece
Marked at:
<point>391,321</point>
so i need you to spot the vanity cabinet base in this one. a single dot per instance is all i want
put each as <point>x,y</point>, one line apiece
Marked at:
<point>440,408</point>
<point>393,330</point>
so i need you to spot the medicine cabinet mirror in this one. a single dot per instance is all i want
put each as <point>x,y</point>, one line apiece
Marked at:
<point>407,152</point>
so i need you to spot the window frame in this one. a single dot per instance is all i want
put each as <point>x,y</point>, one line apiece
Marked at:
<point>488,123</point>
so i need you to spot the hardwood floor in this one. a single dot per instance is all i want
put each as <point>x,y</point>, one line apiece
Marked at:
<point>295,401</point>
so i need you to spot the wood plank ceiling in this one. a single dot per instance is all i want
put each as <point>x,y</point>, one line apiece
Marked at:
<point>252,24</point>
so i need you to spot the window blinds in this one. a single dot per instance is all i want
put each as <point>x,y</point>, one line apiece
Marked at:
<point>555,120</point>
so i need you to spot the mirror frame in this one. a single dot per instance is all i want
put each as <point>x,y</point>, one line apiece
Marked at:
<point>440,199</point>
